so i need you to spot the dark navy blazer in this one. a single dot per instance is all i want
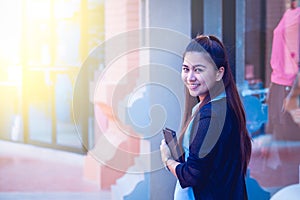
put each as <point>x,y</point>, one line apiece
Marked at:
<point>213,167</point>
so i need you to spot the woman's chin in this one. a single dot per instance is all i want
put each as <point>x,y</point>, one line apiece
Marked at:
<point>194,93</point>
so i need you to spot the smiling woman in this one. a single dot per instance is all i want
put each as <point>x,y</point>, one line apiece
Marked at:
<point>214,139</point>
<point>199,74</point>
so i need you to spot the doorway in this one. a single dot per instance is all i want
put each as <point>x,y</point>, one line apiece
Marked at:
<point>43,46</point>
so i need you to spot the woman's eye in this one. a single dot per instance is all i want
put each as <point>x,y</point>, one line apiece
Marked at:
<point>198,70</point>
<point>185,69</point>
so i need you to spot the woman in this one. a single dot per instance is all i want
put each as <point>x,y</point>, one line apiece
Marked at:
<point>214,137</point>
<point>284,64</point>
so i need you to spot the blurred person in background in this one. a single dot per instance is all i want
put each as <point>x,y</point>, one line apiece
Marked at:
<point>284,64</point>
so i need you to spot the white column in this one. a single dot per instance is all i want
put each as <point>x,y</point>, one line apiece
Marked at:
<point>213,18</point>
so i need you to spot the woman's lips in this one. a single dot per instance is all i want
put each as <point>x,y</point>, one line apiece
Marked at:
<point>193,86</point>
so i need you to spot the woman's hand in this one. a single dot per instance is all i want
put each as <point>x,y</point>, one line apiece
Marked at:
<point>167,158</point>
<point>295,113</point>
<point>165,151</point>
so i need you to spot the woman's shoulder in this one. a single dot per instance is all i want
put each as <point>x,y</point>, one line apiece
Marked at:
<point>215,107</point>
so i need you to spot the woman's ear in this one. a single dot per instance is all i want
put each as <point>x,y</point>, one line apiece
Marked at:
<point>220,73</point>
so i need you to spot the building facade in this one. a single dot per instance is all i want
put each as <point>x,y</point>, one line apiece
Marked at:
<point>102,78</point>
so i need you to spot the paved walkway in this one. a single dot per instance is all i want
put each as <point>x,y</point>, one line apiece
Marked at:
<point>30,172</point>
<point>55,196</point>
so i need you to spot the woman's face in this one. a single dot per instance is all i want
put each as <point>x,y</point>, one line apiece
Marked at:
<point>294,4</point>
<point>199,74</point>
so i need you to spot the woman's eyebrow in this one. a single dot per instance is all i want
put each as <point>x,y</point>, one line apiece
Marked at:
<point>198,65</point>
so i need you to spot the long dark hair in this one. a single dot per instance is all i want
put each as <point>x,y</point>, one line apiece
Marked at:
<point>216,50</point>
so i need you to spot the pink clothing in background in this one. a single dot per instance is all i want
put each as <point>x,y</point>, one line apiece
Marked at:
<point>285,48</point>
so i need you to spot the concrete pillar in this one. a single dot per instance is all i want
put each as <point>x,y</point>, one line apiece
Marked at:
<point>213,18</point>
<point>240,42</point>
<point>174,15</point>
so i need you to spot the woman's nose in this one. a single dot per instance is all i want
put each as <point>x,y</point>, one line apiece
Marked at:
<point>191,76</point>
